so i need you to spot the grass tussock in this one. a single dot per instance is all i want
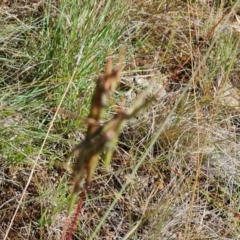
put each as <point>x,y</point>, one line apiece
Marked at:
<point>175,171</point>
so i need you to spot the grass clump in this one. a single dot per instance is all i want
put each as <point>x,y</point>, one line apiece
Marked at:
<point>174,174</point>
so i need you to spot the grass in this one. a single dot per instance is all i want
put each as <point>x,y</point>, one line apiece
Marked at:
<point>175,172</point>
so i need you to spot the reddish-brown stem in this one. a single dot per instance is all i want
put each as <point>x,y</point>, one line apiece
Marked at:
<point>82,198</point>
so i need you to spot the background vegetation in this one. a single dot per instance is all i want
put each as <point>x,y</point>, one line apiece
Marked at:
<point>175,172</point>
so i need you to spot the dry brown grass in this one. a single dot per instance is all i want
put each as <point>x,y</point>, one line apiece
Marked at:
<point>179,158</point>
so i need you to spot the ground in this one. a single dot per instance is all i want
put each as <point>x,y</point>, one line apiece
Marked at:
<point>184,148</point>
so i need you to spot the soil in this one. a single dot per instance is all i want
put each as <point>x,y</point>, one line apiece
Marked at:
<point>11,187</point>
